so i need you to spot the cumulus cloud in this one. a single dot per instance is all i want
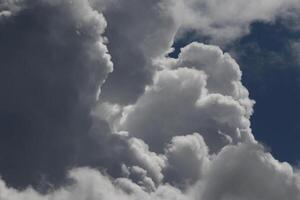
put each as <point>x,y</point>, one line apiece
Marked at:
<point>154,128</point>
<point>196,94</point>
<point>222,162</point>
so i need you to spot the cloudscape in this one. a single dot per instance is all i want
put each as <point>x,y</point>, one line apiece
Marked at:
<point>146,99</point>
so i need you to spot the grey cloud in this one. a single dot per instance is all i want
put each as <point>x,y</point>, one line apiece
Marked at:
<point>241,171</point>
<point>53,61</point>
<point>10,7</point>
<point>91,184</point>
<point>139,175</point>
<point>138,32</point>
<point>187,158</point>
<point>142,156</point>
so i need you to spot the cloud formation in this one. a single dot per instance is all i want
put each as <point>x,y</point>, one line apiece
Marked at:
<point>53,62</point>
<point>154,128</point>
<point>200,92</point>
<point>140,32</point>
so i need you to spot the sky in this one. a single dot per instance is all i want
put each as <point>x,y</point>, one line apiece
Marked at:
<point>273,70</point>
<point>154,100</point>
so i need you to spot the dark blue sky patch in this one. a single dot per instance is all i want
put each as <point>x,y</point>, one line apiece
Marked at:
<point>187,38</point>
<point>272,75</point>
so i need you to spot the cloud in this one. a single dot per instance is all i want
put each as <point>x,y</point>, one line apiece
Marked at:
<point>154,128</point>
<point>150,161</point>
<point>201,92</point>
<point>138,32</point>
<point>53,62</point>
<point>243,172</point>
<point>9,8</point>
<point>186,168</point>
<point>247,172</point>
<point>224,21</point>
<point>91,184</point>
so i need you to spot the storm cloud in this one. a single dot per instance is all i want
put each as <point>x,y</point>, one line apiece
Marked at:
<point>53,62</point>
<point>92,107</point>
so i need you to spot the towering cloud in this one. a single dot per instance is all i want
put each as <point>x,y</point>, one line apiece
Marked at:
<point>53,62</point>
<point>154,128</point>
<point>201,92</point>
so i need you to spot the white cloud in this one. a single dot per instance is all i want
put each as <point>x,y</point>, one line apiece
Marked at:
<point>227,20</point>
<point>246,172</point>
<point>207,97</point>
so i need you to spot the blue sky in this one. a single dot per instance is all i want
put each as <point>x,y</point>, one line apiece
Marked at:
<point>271,72</point>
